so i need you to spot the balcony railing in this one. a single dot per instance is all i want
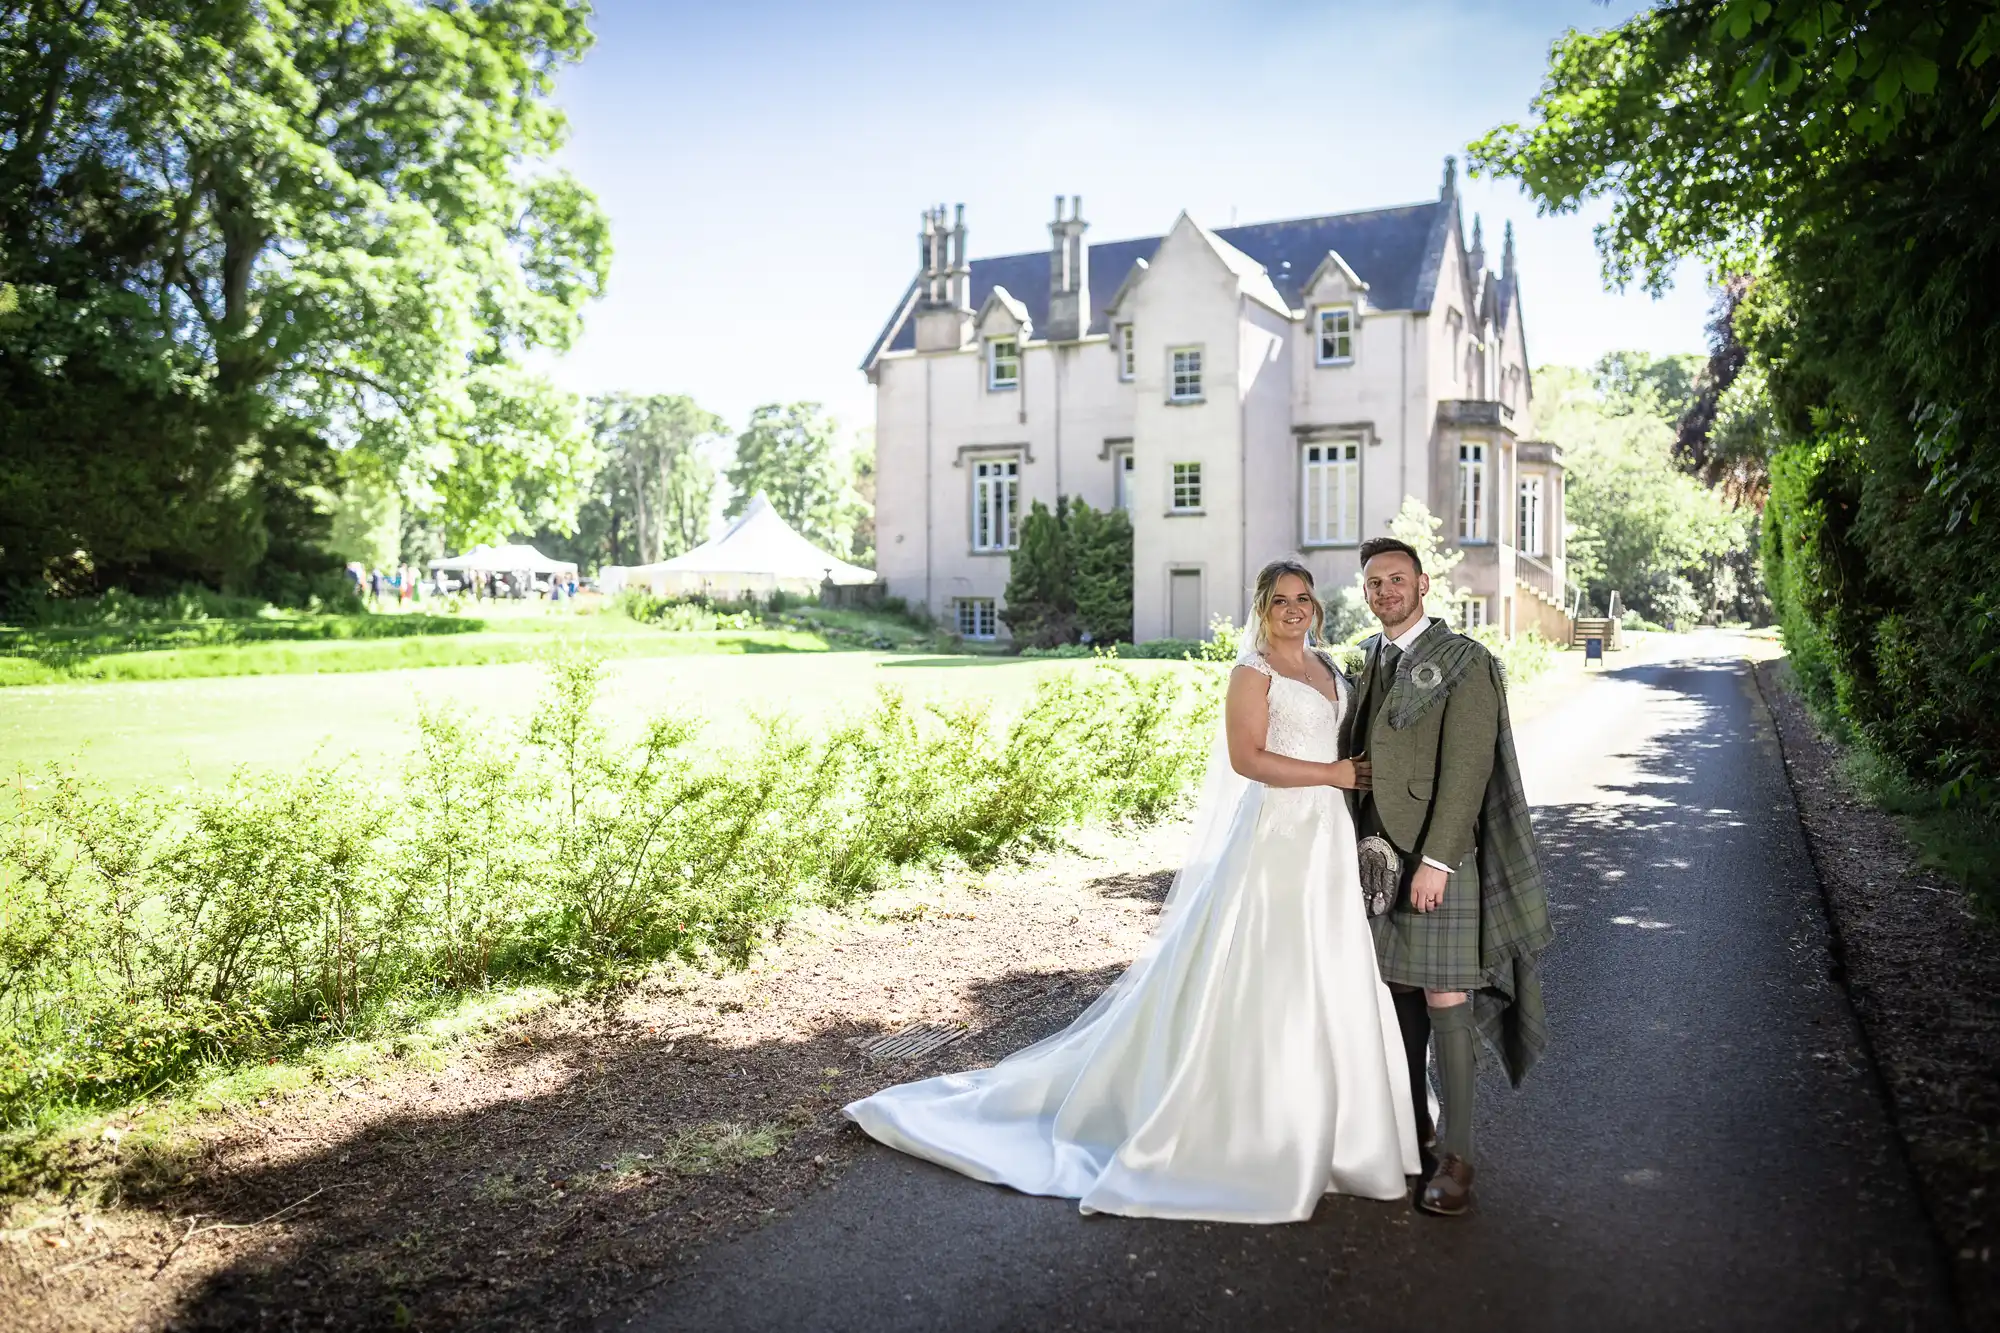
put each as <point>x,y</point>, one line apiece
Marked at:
<point>1475,412</point>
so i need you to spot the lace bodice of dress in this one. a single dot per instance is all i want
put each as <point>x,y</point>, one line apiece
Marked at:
<point>1305,724</point>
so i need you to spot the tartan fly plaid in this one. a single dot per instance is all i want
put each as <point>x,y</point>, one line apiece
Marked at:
<point>1487,935</point>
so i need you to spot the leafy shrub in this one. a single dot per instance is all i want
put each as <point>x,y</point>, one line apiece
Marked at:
<point>144,938</point>
<point>118,607</point>
<point>1522,658</point>
<point>685,614</point>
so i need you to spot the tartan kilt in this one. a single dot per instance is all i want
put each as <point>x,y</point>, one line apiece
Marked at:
<point>1433,950</point>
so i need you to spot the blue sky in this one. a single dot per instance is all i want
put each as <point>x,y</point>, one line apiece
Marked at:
<point>764,162</point>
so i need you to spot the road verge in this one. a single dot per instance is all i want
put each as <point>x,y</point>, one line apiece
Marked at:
<point>1923,973</point>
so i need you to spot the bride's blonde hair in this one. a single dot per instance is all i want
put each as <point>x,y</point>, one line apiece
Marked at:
<point>1267,588</point>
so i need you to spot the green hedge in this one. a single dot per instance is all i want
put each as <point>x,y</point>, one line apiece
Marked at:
<point>1890,609</point>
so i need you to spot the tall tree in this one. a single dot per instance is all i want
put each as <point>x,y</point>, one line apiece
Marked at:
<point>791,453</point>
<point>660,444</point>
<point>1643,528</point>
<point>271,229</point>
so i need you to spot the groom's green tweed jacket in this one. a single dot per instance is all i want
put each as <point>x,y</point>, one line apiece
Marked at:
<point>1447,783</point>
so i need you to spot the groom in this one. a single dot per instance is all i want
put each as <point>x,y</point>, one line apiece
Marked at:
<point>1458,947</point>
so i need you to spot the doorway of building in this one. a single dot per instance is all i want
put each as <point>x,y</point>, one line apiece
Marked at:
<point>1184,604</point>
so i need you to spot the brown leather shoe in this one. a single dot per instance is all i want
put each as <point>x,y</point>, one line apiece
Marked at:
<point>1449,1192</point>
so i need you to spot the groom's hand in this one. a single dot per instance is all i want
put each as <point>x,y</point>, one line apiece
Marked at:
<point>1427,887</point>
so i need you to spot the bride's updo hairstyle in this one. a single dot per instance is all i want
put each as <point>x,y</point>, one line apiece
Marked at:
<point>1267,588</point>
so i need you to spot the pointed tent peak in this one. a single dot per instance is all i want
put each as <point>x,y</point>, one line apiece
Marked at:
<point>759,545</point>
<point>760,505</point>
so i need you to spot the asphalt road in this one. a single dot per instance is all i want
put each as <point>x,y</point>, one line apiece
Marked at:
<point>1704,1147</point>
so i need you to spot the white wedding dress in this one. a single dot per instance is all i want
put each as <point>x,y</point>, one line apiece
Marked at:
<point>1246,1064</point>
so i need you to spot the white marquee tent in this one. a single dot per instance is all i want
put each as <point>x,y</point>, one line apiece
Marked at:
<point>758,555</point>
<point>504,560</point>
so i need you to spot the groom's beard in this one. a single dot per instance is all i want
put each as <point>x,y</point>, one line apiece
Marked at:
<point>1399,612</point>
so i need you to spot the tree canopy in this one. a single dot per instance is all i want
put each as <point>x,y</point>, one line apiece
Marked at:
<point>791,453</point>
<point>1639,525</point>
<point>266,233</point>
<point>1839,164</point>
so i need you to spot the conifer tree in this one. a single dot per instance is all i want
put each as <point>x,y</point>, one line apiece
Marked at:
<point>1040,609</point>
<point>1100,550</point>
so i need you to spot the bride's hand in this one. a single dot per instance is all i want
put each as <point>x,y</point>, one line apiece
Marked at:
<point>1352,774</point>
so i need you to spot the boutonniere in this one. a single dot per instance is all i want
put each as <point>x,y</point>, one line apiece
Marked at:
<point>1427,675</point>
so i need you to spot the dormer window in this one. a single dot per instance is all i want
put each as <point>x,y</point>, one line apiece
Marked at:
<point>1336,335</point>
<point>1128,359</point>
<point>1003,363</point>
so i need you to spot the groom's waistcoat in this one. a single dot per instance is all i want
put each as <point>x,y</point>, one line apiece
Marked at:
<point>1429,777</point>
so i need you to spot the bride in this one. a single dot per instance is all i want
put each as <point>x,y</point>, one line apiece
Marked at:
<point>1250,1060</point>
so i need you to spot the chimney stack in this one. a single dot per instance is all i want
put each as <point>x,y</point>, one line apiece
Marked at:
<point>944,289</point>
<point>1069,274</point>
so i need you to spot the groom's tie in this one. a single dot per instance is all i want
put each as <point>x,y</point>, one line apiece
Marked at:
<point>1385,675</point>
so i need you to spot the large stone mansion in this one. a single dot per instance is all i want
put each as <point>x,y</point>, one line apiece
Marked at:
<point>1258,391</point>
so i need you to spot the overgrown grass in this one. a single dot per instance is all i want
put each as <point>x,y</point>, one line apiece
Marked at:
<point>1958,839</point>
<point>150,941</point>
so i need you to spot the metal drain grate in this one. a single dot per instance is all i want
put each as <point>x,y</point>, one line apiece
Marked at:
<point>914,1041</point>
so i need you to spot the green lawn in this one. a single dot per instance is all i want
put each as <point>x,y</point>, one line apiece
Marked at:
<point>135,733</point>
<point>281,644</point>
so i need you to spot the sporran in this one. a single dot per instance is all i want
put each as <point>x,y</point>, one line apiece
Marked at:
<point>1381,873</point>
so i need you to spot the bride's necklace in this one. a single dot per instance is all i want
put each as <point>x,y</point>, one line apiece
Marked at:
<point>1305,678</point>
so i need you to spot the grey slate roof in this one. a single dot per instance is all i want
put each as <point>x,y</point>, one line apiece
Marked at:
<point>1386,247</point>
